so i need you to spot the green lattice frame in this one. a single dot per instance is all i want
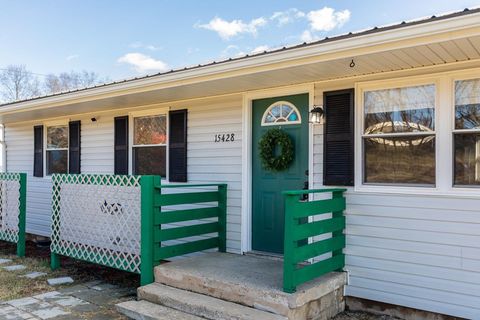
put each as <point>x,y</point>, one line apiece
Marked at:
<point>151,233</point>
<point>79,251</point>
<point>16,236</point>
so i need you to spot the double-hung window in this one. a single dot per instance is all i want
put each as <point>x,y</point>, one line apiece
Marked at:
<point>399,136</point>
<point>56,152</point>
<point>466,134</point>
<point>149,147</point>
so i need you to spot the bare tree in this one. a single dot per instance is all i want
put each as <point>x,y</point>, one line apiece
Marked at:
<point>66,81</point>
<point>17,83</point>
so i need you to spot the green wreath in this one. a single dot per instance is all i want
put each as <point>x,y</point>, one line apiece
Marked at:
<point>272,139</point>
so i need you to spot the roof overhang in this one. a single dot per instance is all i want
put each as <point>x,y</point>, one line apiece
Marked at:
<point>446,43</point>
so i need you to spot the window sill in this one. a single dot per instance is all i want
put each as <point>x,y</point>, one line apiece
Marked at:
<point>408,191</point>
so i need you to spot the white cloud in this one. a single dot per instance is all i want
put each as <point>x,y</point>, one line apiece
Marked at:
<point>307,36</point>
<point>327,19</point>
<point>143,63</point>
<point>231,51</point>
<point>72,57</point>
<point>139,44</point>
<point>260,49</point>
<point>229,29</point>
<point>287,16</point>
<point>153,48</point>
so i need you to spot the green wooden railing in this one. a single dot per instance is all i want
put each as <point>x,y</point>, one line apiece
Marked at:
<point>80,199</point>
<point>299,228</point>
<point>160,208</point>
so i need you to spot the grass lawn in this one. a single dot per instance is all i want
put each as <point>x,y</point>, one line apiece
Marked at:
<point>13,286</point>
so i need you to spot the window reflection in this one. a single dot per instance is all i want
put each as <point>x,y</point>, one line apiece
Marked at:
<point>281,112</point>
<point>467,133</point>
<point>399,135</point>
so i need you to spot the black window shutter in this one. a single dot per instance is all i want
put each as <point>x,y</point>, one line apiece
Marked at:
<point>338,143</point>
<point>177,146</point>
<point>121,145</point>
<point>38,151</point>
<point>74,147</point>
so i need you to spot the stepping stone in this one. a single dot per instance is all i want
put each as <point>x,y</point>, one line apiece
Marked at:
<point>34,275</point>
<point>60,299</point>
<point>104,286</point>
<point>59,281</point>
<point>17,267</point>
<point>49,313</point>
<point>22,302</point>
<point>3,261</point>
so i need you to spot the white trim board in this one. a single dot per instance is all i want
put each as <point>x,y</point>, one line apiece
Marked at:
<point>246,217</point>
<point>444,124</point>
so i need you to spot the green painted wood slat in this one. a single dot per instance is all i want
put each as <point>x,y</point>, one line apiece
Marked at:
<point>311,208</point>
<point>186,198</point>
<point>196,185</point>
<point>187,231</point>
<point>185,215</point>
<point>316,228</point>
<point>314,270</point>
<point>162,253</point>
<point>318,248</point>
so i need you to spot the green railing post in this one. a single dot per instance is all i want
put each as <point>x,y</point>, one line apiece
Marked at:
<point>338,214</point>
<point>55,258</point>
<point>222,217</point>
<point>54,261</point>
<point>22,215</point>
<point>289,245</point>
<point>147,185</point>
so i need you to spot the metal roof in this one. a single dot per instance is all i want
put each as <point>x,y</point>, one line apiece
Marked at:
<point>373,30</point>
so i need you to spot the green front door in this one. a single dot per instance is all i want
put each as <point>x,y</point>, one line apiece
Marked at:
<point>267,201</point>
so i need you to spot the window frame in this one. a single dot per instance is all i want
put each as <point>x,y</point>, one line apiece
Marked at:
<point>281,103</point>
<point>365,136</point>
<point>46,125</point>
<point>360,89</point>
<point>471,75</point>
<point>131,136</point>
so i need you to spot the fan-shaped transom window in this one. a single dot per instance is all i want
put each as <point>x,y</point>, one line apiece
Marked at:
<point>281,113</point>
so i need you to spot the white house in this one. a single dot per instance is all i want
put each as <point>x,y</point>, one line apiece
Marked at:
<point>401,130</point>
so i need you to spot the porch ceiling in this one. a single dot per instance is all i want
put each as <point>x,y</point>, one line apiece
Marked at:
<point>325,66</point>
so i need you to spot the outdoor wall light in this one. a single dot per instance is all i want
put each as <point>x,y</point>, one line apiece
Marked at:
<point>316,114</point>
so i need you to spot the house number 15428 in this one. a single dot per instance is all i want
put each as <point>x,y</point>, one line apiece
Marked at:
<point>225,137</point>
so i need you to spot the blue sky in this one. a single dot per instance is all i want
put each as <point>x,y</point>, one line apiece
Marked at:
<point>120,39</point>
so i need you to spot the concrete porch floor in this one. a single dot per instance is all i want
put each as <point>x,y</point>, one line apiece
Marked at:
<point>253,281</point>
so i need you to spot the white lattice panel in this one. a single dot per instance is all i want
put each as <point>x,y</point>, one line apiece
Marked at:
<point>9,206</point>
<point>97,218</point>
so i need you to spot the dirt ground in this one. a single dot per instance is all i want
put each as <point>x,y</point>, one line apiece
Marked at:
<point>350,315</point>
<point>13,286</point>
<point>38,259</point>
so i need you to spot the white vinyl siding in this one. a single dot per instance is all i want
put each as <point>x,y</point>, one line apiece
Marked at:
<point>418,251</point>
<point>208,162</point>
<point>19,142</point>
<point>211,162</point>
<point>96,153</point>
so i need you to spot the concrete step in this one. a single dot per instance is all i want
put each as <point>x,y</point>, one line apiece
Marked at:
<point>248,280</point>
<point>144,310</point>
<point>201,305</point>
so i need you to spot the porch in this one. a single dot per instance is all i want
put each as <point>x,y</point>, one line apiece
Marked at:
<point>229,286</point>
<point>137,224</point>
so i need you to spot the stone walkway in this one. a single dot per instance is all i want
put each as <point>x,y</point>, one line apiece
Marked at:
<point>93,300</point>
